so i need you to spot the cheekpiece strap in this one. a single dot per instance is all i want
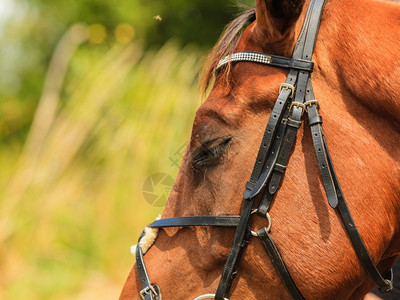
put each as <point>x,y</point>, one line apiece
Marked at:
<point>150,291</point>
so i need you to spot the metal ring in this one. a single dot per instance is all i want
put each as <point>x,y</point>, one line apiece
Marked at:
<point>267,228</point>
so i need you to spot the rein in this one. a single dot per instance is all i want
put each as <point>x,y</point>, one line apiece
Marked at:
<point>295,97</point>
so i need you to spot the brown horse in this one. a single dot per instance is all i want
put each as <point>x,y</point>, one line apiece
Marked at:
<point>356,80</point>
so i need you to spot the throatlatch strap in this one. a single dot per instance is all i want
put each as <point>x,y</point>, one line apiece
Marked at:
<point>315,123</point>
<point>385,285</point>
<point>335,195</point>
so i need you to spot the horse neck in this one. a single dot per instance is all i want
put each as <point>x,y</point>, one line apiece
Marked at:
<point>364,48</point>
<point>358,71</point>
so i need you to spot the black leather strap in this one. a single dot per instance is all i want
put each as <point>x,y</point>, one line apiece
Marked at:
<point>265,203</point>
<point>255,184</point>
<point>240,242</point>
<point>292,63</point>
<point>283,157</point>
<point>225,221</point>
<point>385,285</point>
<point>294,122</point>
<point>272,157</point>
<point>315,123</point>
<point>303,51</point>
<point>149,291</point>
<point>267,198</point>
<point>279,265</point>
<point>335,195</point>
<point>302,48</point>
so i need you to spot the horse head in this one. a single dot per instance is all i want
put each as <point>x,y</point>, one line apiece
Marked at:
<point>355,79</point>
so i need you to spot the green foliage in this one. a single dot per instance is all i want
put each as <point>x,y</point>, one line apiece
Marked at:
<point>196,21</point>
<point>87,113</point>
<point>72,203</point>
<point>29,39</point>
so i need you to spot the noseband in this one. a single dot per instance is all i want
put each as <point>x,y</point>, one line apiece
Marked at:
<point>295,97</point>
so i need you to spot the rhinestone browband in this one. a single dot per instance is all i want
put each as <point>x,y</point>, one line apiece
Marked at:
<point>267,59</point>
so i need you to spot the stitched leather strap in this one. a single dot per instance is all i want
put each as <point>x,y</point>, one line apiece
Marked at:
<point>279,265</point>
<point>272,157</point>
<point>149,291</point>
<point>294,123</point>
<point>255,184</point>
<point>315,123</point>
<point>267,198</point>
<point>224,221</point>
<point>302,47</point>
<point>240,242</point>
<point>303,51</point>
<point>385,285</point>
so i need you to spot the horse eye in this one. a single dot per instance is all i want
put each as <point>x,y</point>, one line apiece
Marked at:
<point>210,153</point>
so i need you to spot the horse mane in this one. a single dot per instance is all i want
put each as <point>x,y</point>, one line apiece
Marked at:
<point>225,46</point>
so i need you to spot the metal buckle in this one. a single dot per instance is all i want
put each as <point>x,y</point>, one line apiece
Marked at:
<point>147,291</point>
<point>267,228</point>
<point>287,86</point>
<point>310,103</point>
<point>299,105</point>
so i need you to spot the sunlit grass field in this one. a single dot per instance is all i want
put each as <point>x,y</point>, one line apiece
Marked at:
<point>71,200</point>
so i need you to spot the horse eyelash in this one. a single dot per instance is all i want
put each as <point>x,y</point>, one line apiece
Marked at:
<point>209,154</point>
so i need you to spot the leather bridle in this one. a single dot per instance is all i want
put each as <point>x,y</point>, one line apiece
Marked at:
<point>295,97</point>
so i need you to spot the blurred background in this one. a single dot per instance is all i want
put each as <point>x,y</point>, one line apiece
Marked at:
<point>97,99</point>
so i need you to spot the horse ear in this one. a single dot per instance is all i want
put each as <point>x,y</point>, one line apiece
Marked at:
<point>277,15</point>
